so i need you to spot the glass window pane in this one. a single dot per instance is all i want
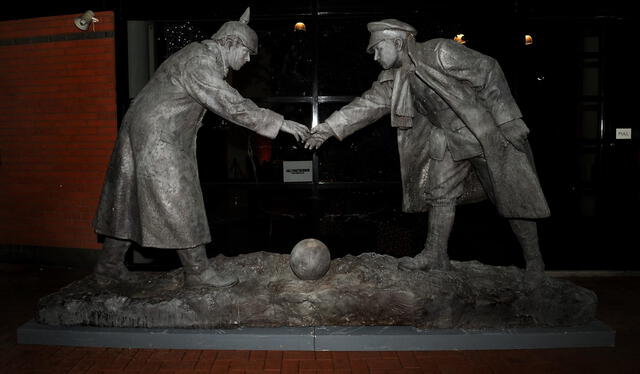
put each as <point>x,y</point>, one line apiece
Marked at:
<point>231,153</point>
<point>369,155</point>
<point>344,66</point>
<point>282,67</point>
<point>284,63</point>
<point>173,36</point>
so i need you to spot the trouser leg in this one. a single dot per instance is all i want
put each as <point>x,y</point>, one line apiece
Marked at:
<point>434,256</point>
<point>526,232</point>
<point>445,185</point>
<point>197,271</point>
<point>110,265</point>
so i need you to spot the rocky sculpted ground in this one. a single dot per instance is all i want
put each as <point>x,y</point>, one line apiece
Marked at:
<point>364,290</point>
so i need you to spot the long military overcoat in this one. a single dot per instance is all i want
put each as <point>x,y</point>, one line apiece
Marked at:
<point>474,87</point>
<point>152,193</point>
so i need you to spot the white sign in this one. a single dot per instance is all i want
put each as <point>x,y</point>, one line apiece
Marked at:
<point>297,171</point>
<point>623,133</point>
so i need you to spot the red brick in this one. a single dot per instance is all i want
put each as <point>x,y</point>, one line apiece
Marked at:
<point>341,364</point>
<point>167,355</point>
<point>359,366</point>
<point>246,365</point>
<point>273,361</point>
<point>385,364</point>
<point>209,355</point>
<point>290,367</point>
<point>220,367</point>
<point>161,371</point>
<point>182,364</point>
<point>340,355</point>
<point>408,359</point>
<point>204,365</point>
<point>363,355</point>
<point>110,364</point>
<point>192,355</point>
<point>257,355</point>
<point>389,354</point>
<point>136,364</point>
<point>316,365</point>
<point>151,368</point>
<point>299,355</point>
<point>233,355</point>
<point>323,355</point>
<point>405,371</point>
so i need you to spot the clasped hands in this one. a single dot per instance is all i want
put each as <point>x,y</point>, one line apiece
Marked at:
<point>312,139</point>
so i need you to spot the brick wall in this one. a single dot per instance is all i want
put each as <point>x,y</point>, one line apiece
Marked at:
<point>57,128</point>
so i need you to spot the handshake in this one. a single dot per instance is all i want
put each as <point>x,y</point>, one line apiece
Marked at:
<point>312,139</point>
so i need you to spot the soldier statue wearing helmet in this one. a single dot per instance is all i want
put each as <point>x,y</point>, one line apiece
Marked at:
<point>240,30</point>
<point>151,193</point>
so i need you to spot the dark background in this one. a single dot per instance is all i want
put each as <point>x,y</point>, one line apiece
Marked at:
<point>575,85</point>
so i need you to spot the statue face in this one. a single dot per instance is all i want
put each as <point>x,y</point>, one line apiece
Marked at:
<point>387,54</point>
<point>238,56</point>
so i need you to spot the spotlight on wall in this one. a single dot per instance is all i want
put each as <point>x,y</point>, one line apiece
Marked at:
<point>86,19</point>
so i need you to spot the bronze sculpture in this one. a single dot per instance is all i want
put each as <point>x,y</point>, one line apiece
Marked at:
<point>152,193</point>
<point>460,137</point>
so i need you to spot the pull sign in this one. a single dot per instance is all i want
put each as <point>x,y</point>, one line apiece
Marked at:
<point>623,133</point>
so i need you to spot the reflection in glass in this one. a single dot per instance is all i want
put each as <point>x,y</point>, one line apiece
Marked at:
<point>283,65</point>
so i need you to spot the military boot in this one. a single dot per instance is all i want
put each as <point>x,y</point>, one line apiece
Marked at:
<point>110,267</point>
<point>197,271</point>
<point>527,234</point>
<point>434,255</point>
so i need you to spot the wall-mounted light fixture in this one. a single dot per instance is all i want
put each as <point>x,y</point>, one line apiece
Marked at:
<point>86,19</point>
<point>300,26</point>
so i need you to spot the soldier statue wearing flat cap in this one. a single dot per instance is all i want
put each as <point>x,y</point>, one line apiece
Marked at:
<point>460,137</point>
<point>152,193</point>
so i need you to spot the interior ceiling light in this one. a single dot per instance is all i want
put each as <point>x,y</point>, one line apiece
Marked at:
<point>528,39</point>
<point>300,26</point>
<point>460,39</point>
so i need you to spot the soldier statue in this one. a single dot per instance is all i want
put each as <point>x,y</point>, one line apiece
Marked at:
<point>460,136</point>
<point>152,194</point>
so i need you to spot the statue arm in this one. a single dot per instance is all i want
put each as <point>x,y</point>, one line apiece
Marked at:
<point>204,84</point>
<point>362,111</point>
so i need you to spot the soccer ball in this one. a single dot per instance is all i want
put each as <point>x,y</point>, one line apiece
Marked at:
<point>310,259</point>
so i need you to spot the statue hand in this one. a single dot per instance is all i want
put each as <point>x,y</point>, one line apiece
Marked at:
<point>298,130</point>
<point>318,136</point>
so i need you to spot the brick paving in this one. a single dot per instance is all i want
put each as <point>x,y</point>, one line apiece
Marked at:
<point>23,286</point>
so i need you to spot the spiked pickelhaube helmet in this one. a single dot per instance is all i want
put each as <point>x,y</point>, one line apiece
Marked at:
<point>239,29</point>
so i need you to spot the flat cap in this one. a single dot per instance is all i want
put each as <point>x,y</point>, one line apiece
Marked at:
<point>391,24</point>
<point>388,29</point>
